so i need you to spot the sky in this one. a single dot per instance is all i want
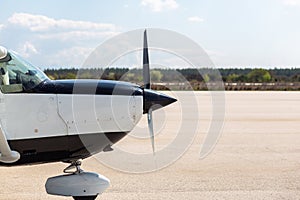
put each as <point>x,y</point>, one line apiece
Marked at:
<point>234,33</point>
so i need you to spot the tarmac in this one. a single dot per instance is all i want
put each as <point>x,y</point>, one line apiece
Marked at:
<point>256,156</point>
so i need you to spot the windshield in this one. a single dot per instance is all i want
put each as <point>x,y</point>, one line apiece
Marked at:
<point>17,75</point>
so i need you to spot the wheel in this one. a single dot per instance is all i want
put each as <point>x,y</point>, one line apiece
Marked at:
<point>85,198</point>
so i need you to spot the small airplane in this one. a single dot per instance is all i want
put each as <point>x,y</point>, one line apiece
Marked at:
<point>38,123</point>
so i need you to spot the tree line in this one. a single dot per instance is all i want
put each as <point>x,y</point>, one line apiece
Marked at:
<point>198,78</point>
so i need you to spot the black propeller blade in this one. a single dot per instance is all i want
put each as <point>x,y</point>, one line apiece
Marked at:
<point>146,70</point>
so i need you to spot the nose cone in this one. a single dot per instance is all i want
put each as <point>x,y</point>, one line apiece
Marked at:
<point>156,100</point>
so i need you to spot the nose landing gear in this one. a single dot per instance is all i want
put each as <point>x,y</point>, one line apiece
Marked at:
<point>76,183</point>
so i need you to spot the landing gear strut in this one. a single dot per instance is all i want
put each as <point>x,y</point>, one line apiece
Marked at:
<point>77,183</point>
<point>74,165</point>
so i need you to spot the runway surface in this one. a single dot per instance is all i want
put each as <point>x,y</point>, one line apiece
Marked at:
<point>256,157</point>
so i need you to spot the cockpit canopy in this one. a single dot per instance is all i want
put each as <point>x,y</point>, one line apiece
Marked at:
<point>16,74</point>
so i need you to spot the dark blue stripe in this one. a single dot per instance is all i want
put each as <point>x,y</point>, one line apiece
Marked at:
<point>79,86</point>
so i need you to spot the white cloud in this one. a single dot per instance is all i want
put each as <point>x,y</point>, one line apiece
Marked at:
<point>77,35</point>
<point>62,29</point>
<point>195,19</point>
<point>291,2</point>
<point>73,56</point>
<point>53,39</point>
<point>44,23</point>
<point>27,49</point>
<point>160,5</point>
<point>1,26</point>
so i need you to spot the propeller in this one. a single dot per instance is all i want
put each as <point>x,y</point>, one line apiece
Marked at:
<point>146,77</point>
<point>152,100</point>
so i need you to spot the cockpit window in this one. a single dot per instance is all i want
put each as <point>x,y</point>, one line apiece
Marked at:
<point>17,75</point>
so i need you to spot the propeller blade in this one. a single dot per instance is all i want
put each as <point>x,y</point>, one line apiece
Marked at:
<point>146,77</point>
<point>146,71</point>
<point>150,125</point>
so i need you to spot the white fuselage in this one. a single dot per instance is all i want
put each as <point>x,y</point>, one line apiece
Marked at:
<point>25,116</point>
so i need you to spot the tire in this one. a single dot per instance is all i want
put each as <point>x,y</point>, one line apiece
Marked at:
<point>85,198</point>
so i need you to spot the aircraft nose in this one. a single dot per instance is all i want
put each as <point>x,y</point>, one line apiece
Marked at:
<point>156,100</point>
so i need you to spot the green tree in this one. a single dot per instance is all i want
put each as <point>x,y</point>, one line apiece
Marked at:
<point>259,75</point>
<point>232,78</point>
<point>206,78</point>
<point>156,75</point>
<point>70,76</point>
<point>128,77</point>
<point>111,76</point>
